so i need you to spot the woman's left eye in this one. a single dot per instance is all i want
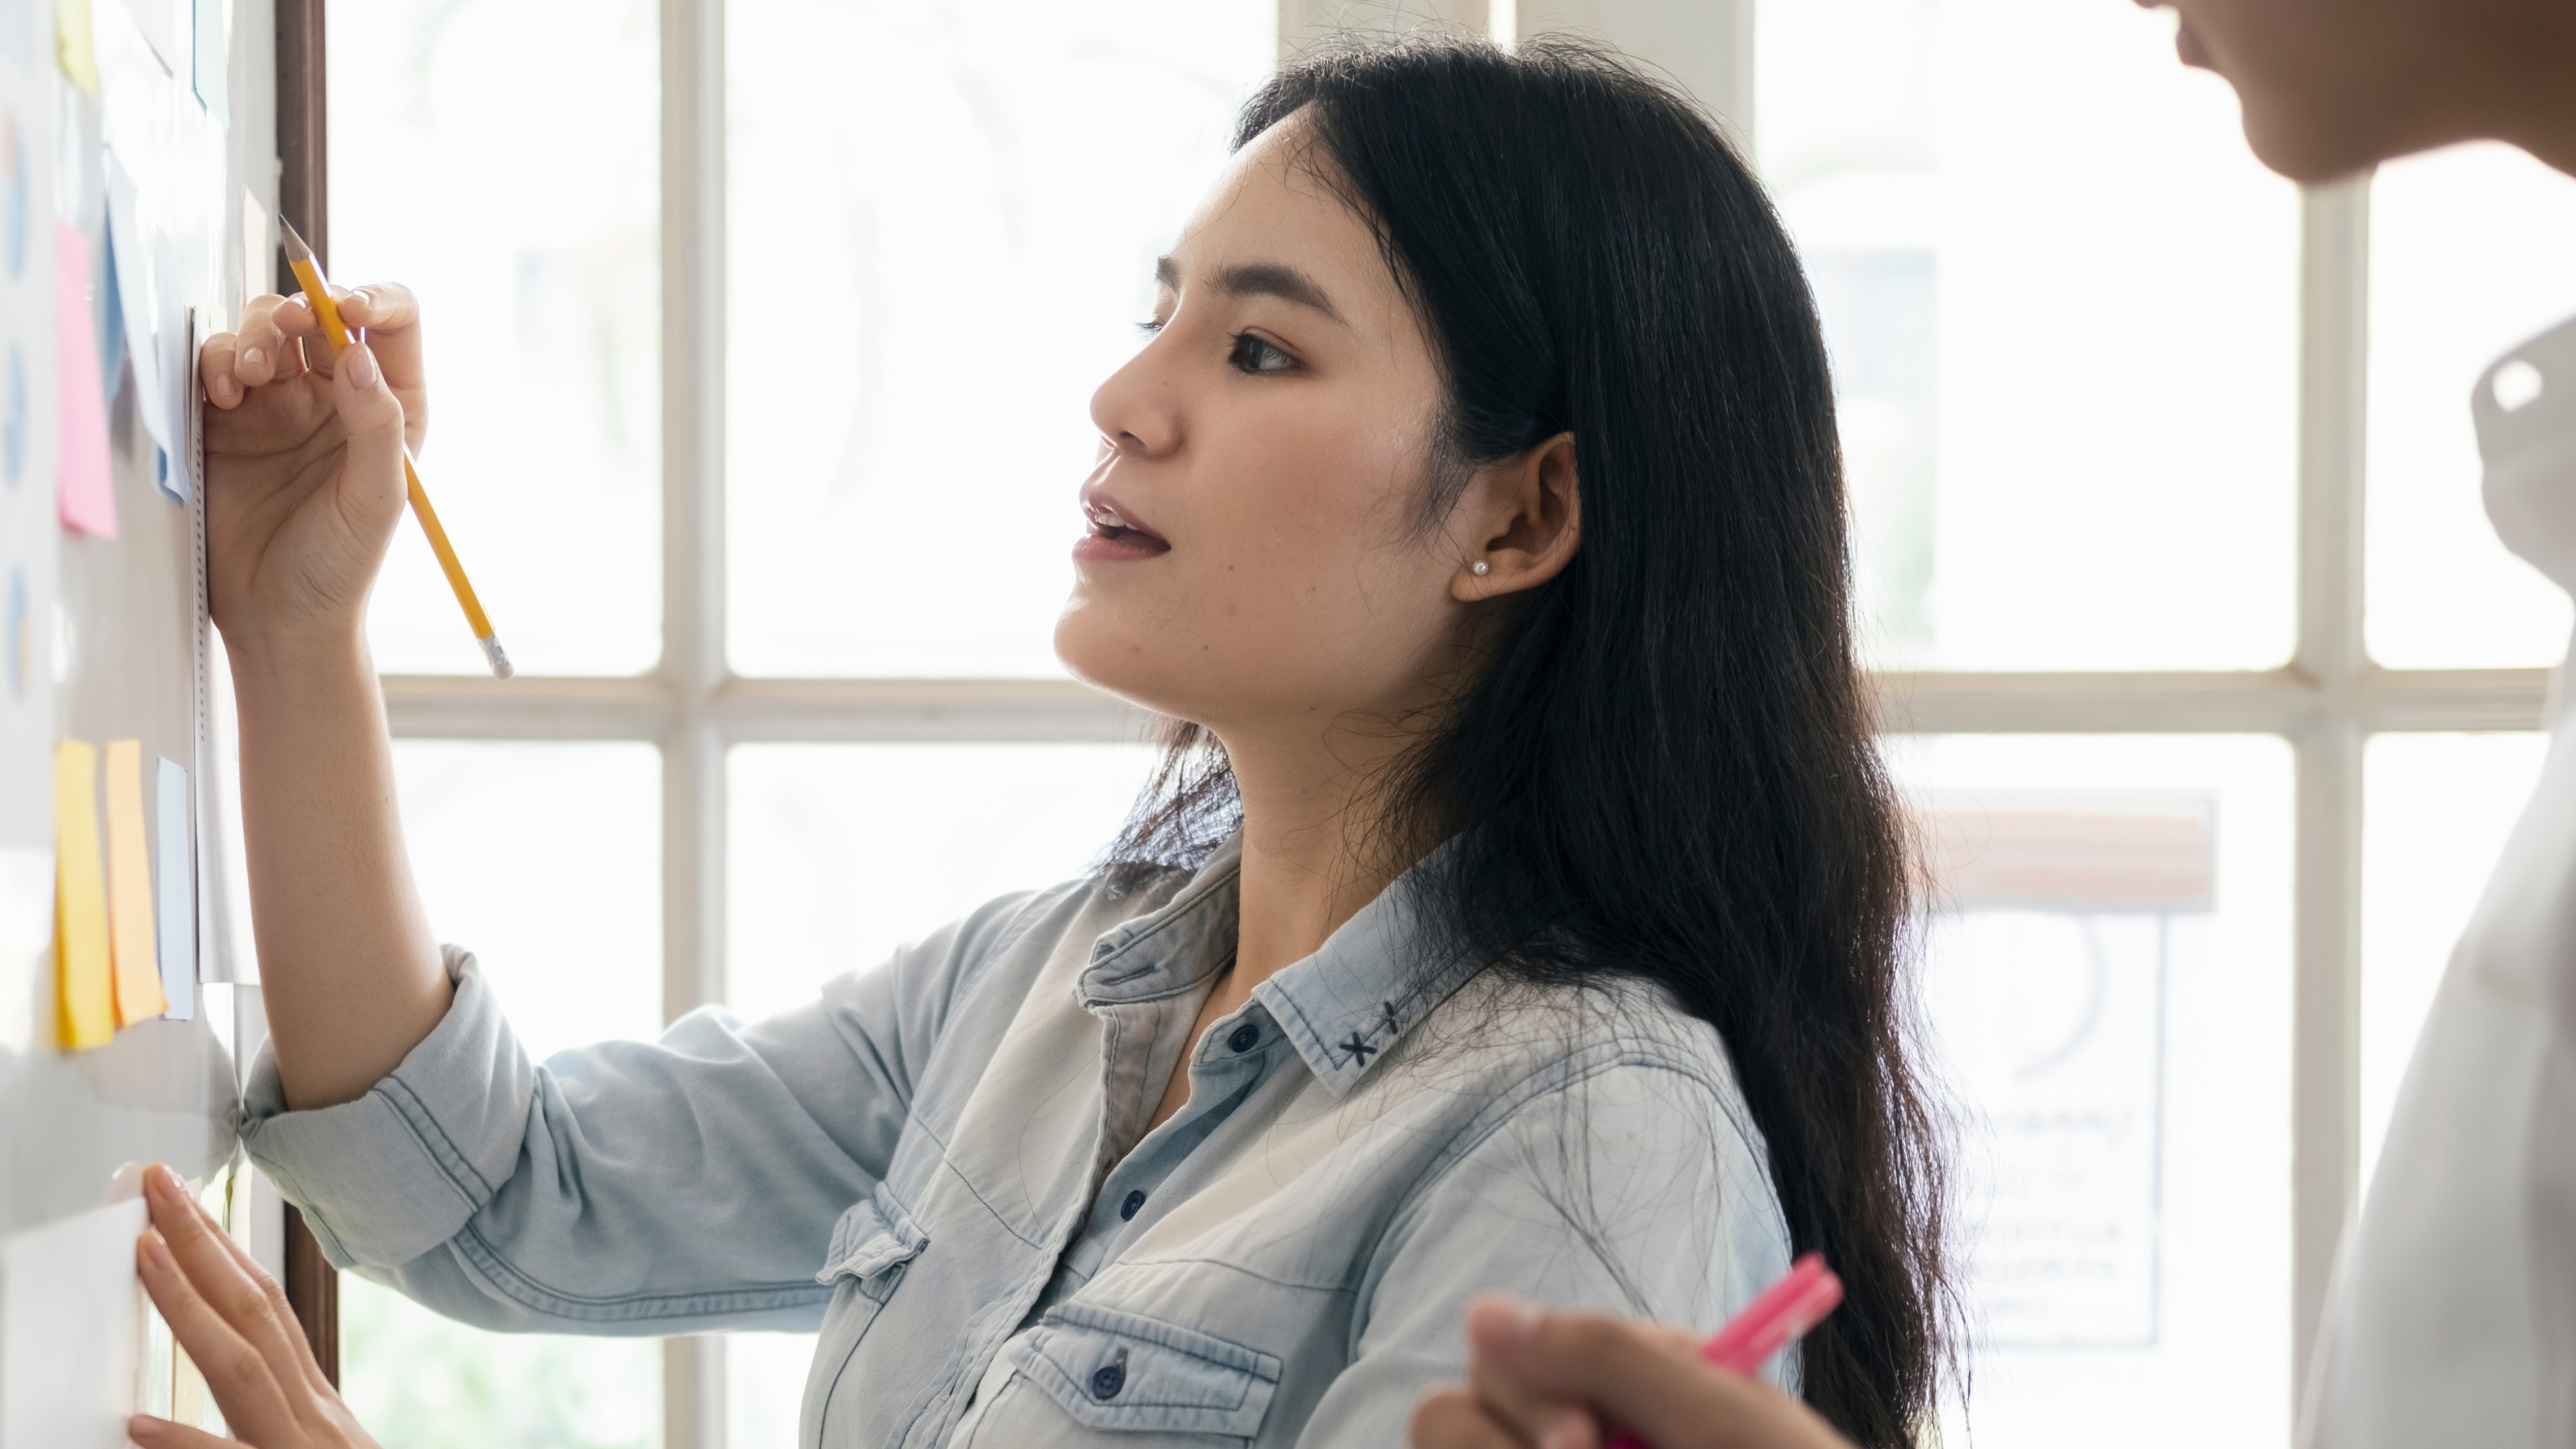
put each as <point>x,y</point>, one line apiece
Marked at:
<point>1254,355</point>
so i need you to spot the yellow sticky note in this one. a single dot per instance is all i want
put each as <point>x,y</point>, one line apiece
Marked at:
<point>85,999</point>
<point>131,942</point>
<point>75,45</point>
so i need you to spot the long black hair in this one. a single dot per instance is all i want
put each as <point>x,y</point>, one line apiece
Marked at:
<point>1666,767</point>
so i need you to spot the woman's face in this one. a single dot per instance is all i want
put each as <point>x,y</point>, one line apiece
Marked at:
<point>1253,560</point>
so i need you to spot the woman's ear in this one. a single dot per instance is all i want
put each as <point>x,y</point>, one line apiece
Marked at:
<point>1521,520</point>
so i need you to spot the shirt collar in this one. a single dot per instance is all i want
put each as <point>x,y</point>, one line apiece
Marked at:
<point>1342,1008</point>
<point>1345,1006</point>
<point>1172,947</point>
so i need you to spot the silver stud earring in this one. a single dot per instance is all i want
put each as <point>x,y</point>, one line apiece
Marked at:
<point>1479,568</point>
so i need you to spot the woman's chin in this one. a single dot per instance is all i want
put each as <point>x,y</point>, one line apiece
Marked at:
<point>1109,659</point>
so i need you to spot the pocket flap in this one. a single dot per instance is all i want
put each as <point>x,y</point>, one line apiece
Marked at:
<point>1116,1370</point>
<point>874,1235</point>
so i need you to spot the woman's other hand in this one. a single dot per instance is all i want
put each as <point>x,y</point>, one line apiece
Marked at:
<point>237,1329</point>
<point>1542,1380</point>
<point>304,461</point>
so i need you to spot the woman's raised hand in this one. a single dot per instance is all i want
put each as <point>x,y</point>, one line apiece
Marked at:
<point>237,1329</point>
<point>1540,1380</point>
<point>304,462</point>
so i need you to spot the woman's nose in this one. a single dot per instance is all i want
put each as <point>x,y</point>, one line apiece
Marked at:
<point>1137,410</point>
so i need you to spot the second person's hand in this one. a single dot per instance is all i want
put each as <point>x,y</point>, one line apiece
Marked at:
<point>1543,1380</point>
<point>304,462</point>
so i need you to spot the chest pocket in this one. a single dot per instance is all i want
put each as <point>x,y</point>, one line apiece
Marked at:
<point>1114,1371</point>
<point>870,1247</point>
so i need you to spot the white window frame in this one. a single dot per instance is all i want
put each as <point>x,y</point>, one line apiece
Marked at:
<point>2325,702</point>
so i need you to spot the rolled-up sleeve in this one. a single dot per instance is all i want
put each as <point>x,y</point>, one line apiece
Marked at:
<point>680,1185</point>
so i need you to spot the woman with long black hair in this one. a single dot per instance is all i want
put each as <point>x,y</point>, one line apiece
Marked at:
<point>1519,906</point>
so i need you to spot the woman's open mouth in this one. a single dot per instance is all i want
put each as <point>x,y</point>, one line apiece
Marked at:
<point>1113,535</point>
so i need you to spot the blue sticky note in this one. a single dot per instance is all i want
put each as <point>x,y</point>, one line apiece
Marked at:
<point>111,342</point>
<point>209,60</point>
<point>177,891</point>
<point>209,65</point>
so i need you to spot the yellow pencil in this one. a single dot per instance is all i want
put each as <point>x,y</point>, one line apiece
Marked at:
<point>326,310</point>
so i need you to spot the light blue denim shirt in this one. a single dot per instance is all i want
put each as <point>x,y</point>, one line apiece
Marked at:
<point>943,1164</point>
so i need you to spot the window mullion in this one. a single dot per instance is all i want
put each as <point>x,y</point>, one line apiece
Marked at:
<point>693,559</point>
<point>693,592</point>
<point>2325,1047</point>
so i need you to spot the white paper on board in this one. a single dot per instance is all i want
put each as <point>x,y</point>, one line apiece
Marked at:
<point>71,1331</point>
<point>164,24</point>
<point>259,263</point>
<point>26,947</point>
<point>134,297</point>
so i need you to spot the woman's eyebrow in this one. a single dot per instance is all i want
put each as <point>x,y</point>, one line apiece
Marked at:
<point>1255,279</point>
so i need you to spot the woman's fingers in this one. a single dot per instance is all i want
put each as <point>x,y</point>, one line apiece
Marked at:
<point>236,1326</point>
<point>265,352</point>
<point>230,364</point>
<point>372,417</point>
<point>294,317</point>
<point>236,1372</point>
<point>1449,1417</point>
<point>380,307</point>
<point>391,316</point>
<point>248,1300</point>
<point>280,1312</point>
<point>216,361</point>
<point>152,1433</point>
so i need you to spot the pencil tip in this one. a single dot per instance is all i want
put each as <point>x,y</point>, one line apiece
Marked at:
<point>296,250</point>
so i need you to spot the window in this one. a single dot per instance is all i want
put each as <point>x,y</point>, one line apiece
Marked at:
<point>2468,251</point>
<point>2090,356</point>
<point>2038,243</point>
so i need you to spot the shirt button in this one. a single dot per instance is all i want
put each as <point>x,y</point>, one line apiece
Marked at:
<point>1127,1213</point>
<point>1110,1378</point>
<point>1245,1037</point>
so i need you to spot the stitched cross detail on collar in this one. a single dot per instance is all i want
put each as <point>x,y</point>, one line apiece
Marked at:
<point>1394,1028</point>
<point>1360,1050</point>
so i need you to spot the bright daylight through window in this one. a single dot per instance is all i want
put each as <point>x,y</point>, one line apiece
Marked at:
<point>2164,718</point>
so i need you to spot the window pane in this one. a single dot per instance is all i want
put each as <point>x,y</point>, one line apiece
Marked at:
<point>538,268</point>
<point>943,222</point>
<point>765,1388</point>
<point>419,1381</point>
<point>839,854</point>
<point>2108,991</point>
<point>2435,817</point>
<point>2061,300</point>
<point>2468,256</point>
<point>545,860</point>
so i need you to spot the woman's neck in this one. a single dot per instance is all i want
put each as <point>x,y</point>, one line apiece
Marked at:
<point>1314,852</point>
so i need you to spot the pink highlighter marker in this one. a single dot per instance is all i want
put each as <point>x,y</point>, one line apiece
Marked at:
<point>1780,1317</point>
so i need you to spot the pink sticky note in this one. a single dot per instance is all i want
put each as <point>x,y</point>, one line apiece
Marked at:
<point>83,489</point>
